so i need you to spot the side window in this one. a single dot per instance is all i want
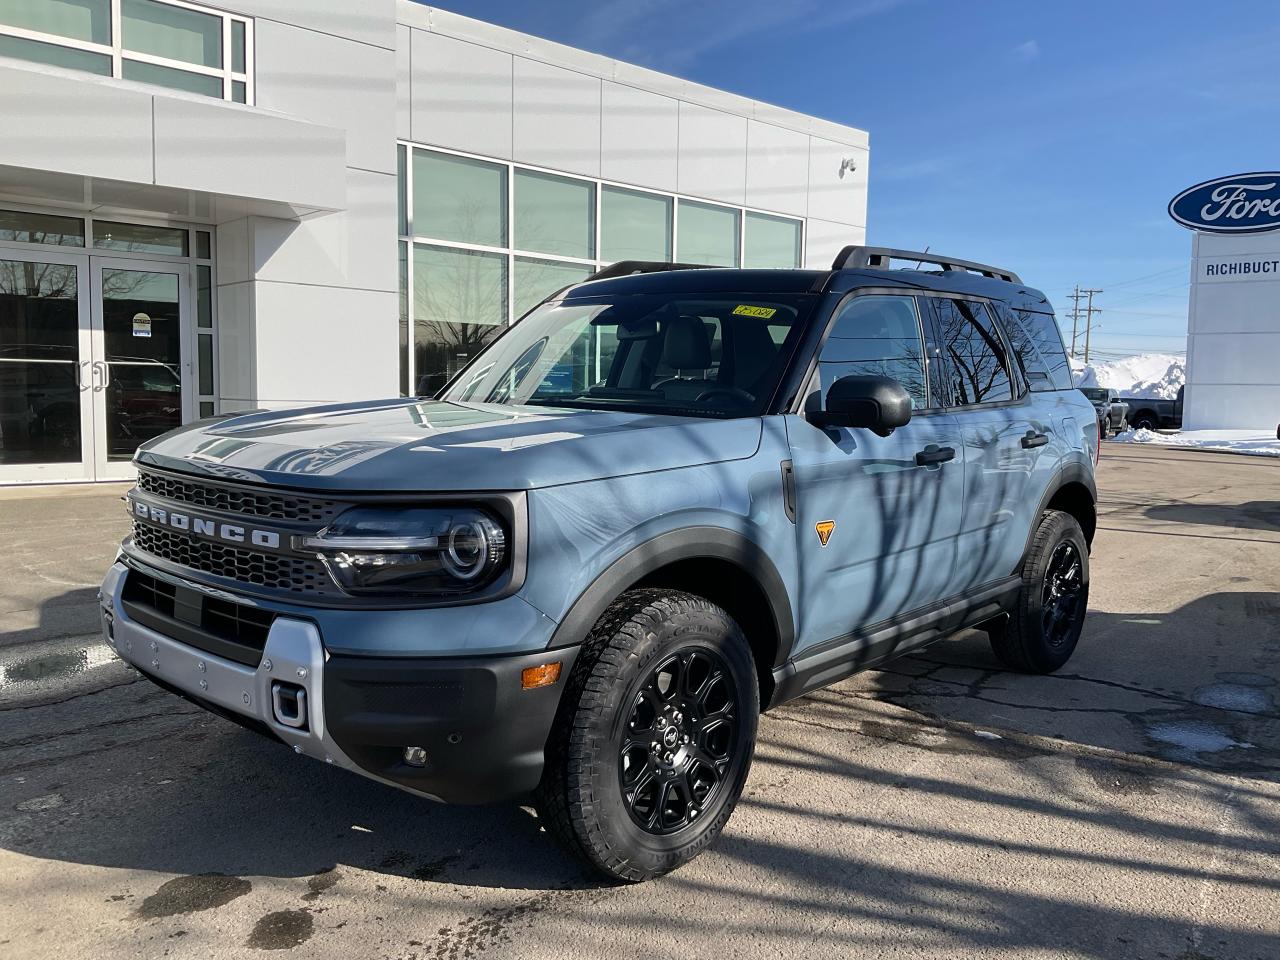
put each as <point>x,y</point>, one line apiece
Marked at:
<point>1042,329</point>
<point>876,336</point>
<point>1039,377</point>
<point>972,353</point>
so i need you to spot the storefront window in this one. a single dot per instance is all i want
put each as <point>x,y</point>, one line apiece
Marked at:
<point>484,241</point>
<point>180,46</point>
<point>707,234</point>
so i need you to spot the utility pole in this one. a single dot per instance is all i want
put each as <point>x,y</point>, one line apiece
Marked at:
<point>1090,310</point>
<point>1075,319</point>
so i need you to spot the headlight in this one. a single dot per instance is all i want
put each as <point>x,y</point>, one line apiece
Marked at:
<point>415,551</point>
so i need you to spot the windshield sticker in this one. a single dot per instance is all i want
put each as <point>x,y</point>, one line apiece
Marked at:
<point>745,310</point>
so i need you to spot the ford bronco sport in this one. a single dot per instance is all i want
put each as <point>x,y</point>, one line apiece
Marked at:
<point>666,499</point>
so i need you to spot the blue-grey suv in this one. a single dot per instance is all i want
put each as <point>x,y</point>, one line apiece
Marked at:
<point>666,499</point>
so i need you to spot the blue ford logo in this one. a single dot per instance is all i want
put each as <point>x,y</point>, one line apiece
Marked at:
<point>1245,203</point>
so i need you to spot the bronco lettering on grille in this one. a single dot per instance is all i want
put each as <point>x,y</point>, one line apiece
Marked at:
<point>202,527</point>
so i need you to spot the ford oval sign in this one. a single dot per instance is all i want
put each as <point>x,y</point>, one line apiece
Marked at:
<point>1245,203</point>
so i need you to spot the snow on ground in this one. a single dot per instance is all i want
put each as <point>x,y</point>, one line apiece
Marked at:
<point>1153,375</point>
<point>1236,441</point>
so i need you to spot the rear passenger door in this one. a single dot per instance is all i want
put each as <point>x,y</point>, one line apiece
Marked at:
<point>876,517</point>
<point>1004,438</point>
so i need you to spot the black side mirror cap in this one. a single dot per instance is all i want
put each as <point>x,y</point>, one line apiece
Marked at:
<point>878,404</point>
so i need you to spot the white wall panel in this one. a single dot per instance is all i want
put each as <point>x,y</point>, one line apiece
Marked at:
<point>404,83</point>
<point>53,121</point>
<point>236,348</point>
<point>713,154</point>
<point>1241,359</point>
<point>322,344</point>
<point>823,240</point>
<point>1220,407</point>
<point>833,197</point>
<point>557,118</point>
<point>368,21</point>
<point>234,259</point>
<point>639,135</point>
<point>355,248</point>
<point>225,149</point>
<point>336,82</point>
<point>777,168</point>
<point>1246,306</point>
<point>461,95</point>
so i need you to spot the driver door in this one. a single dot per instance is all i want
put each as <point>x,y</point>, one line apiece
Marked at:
<point>877,517</point>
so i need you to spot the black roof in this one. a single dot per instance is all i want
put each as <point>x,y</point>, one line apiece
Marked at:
<point>747,281</point>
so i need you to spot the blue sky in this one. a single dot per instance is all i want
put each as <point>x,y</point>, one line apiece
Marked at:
<point>1048,138</point>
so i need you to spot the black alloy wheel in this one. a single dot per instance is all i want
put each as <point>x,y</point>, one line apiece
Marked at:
<point>678,741</point>
<point>654,738</point>
<point>1040,632</point>
<point>1060,600</point>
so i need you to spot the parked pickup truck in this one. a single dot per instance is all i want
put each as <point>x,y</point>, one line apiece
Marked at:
<point>668,498</point>
<point>1110,408</point>
<point>1146,413</point>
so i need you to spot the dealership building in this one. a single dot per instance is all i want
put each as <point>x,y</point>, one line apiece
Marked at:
<point>207,208</point>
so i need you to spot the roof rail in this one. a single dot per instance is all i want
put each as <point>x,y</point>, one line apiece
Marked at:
<point>627,268</point>
<point>859,258</point>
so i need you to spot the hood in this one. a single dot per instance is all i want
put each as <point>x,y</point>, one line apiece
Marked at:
<point>441,446</point>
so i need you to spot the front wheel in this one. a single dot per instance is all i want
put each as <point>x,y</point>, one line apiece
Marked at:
<point>655,736</point>
<point>1041,633</point>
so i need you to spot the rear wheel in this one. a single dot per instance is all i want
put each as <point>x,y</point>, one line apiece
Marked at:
<point>655,736</point>
<point>1144,421</point>
<point>1041,633</point>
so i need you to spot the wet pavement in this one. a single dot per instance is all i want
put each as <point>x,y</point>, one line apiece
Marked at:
<point>1128,806</point>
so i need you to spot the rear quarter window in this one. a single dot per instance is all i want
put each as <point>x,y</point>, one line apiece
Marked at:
<point>1037,342</point>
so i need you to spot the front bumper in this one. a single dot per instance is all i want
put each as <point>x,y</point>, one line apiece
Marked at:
<point>483,735</point>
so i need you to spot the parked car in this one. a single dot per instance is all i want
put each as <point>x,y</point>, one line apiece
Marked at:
<point>1149,413</point>
<point>1109,407</point>
<point>666,499</point>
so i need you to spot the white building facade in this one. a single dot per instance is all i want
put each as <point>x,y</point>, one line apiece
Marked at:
<point>1233,333</point>
<point>207,208</point>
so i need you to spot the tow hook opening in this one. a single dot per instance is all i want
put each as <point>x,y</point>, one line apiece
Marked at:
<point>289,705</point>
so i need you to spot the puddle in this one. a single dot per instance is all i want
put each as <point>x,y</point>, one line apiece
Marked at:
<point>1192,737</point>
<point>1234,696</point>
<point>190,894</point>
<point>54,665</point>
<point>282,930</point>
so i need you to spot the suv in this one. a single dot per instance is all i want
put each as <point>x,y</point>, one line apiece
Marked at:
<point>666,499</point>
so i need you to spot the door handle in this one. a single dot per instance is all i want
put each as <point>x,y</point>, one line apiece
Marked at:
<point>101,375</point>
<point>934,454</point>
<point>1033,439</point>
<point>80,384</point>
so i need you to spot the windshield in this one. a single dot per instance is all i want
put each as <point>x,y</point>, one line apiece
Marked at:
<point>710,355</point>
<point>1093,393</point>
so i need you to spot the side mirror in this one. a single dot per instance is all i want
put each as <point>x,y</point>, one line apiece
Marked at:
<point>876,403</point>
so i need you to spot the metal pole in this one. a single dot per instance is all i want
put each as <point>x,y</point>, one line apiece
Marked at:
<point>1075,320</point>
<point>1090,310</point>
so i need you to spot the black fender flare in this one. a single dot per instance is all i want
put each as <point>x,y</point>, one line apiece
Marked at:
<point>688,543</point>
<point>1072,472</point>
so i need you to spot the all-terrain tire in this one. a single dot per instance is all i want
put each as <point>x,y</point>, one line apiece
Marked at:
<point>583,800</point>
<point>1042,631</point>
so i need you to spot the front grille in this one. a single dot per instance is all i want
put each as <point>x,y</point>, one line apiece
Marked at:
<point>236,631</point>
<point>231,499</point>
<point>276,572</point>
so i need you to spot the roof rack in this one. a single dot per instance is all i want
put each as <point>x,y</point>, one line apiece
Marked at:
<point>627,268</point>
<point>859,258</point>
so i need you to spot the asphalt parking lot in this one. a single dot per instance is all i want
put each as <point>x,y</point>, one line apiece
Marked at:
<point>1126,807</point>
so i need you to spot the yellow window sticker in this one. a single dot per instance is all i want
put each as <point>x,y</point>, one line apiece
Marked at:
<point>746,310</point>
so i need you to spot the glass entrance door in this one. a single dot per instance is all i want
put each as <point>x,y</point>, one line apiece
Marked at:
<point>46,422</point>
<point>141,369</point>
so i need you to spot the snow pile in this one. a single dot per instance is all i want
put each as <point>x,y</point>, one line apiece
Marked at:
<point>1235,441</point>
<point>1148,375</point>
